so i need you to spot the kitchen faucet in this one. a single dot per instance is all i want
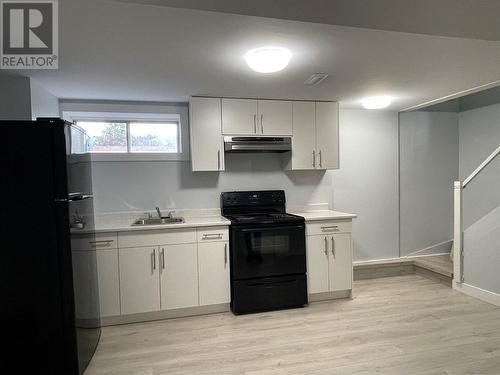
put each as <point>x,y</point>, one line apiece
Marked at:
<point>169,215</point>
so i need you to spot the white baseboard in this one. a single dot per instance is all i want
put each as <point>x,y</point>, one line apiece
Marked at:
<point>483,295</point>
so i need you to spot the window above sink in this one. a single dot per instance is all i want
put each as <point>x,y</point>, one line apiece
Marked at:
<point>129,131</point>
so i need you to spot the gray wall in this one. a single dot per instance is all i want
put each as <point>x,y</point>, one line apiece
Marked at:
<point>367,181</point>
<point>479,136</point>
<point>428,168</point>
<point>43,103</point>
<point>482,252</point>
<point>15,101</point>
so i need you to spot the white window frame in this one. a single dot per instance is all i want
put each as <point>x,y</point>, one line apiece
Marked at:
<point>124,112</point>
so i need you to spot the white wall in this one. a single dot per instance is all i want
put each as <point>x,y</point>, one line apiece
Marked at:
<point>367,181</point>
<point>15,98</point>
<point>129,186</point>
<point>43,103</point>
<point>428,168</point>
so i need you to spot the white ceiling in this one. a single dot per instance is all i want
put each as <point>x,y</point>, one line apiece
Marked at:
<point>456,18</point>
<point>122,51</point>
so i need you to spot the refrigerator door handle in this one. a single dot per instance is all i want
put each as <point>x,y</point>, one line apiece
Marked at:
<point>78,196</point>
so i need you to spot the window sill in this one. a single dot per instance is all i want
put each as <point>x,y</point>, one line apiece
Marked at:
<point>138,157</point>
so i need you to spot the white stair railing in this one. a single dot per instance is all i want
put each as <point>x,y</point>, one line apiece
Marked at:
<point>458,249</point>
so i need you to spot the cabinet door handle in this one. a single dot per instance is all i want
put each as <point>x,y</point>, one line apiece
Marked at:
<point>218,160</point>
<point>326,246</point>
<point>262,124</point>
<point>212,235</point>
<point>255,123</point>
<point>314,159</point>
<point>333,227</point>
<point>153,261</point>
<point>320,162</point>
<point>333,247</point>
<point>103,243</point>
<point>162,258</point>
<point>225,255</point>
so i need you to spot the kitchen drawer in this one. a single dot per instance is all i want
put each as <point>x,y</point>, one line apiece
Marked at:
<point>327,227</point>
<point>88,242</point>
<point>210,234</point>
<point>156,237</point>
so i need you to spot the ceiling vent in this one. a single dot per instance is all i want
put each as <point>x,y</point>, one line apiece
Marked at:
<point>316,79</point>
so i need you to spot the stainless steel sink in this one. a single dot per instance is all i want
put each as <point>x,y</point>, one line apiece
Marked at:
<point>158,221</point>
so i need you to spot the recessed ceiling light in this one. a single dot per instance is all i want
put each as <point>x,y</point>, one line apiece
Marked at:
<point>268,59</point>
<point>376,102</point>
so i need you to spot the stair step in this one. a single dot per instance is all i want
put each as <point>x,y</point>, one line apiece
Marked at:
<point>440,264</point>
<point>437,267</point>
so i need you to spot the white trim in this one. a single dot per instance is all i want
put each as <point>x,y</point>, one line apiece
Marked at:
<point>405,259</point>
<point>483,165</point>
<point>482,294</point>
<point>132,111</point>
<point>425,255</point>
<point>379,261</point>
<point>437,247</point>
<point>457,232</point>
<point>452,96</point>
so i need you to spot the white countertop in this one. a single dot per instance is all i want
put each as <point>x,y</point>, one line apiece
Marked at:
<point>122,221</point>
<point>324,215</point>
<point>189,222</point>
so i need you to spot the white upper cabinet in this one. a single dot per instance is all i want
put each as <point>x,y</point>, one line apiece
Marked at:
<point>315,143</point>
<point>274,117</point>
<point>314,127</point>
<point>327,135</point>
<point>239,116</point>
<point>304,136</point>
<point>207,151</point>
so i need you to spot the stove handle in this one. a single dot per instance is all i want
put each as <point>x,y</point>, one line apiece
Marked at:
<point>270,228</point>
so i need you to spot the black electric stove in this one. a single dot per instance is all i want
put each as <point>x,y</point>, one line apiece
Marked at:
<point>267,252</point>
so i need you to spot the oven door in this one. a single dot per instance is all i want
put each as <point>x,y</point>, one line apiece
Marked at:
<point>267,251</point>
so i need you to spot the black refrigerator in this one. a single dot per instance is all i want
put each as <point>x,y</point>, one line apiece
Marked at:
<point>48,288</point>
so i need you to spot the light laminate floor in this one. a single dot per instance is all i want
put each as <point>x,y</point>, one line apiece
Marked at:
<point>398,325</point>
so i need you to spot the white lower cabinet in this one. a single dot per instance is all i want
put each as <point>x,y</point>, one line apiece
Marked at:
<point>317,265</point>
<point>329,262</point>
<point>109,282</point>
<point>139,280</point>
<point>178,276</point>
<point>159,270</point>
<point>340,262</point>
<point>213,271</point>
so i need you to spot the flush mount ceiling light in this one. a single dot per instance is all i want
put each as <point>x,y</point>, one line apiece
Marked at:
<point>376,102</point>
<point>268,59</point>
